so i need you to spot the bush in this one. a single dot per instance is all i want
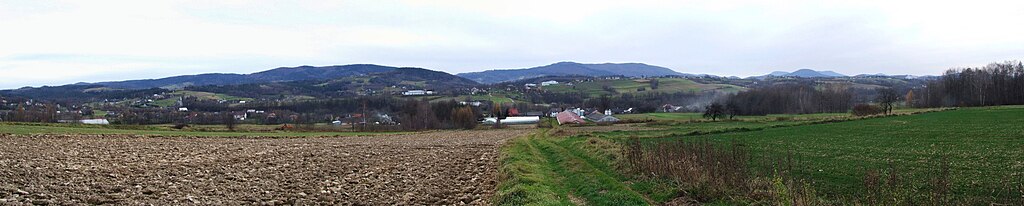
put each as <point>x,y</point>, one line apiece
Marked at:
<point>464,118</point>
<point>545,123</point>
<point>179,126</point>
<point>866,110</point>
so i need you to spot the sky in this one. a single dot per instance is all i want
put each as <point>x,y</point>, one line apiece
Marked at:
<point>54,42</point>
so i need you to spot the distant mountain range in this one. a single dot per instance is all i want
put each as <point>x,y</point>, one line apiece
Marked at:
<point>398,79</point>
<point>809,73</point>
<point>273,75</point>
<point>343,80</point>
<point>351,78</point>
<point>570,69</point>
<point>806,73</point>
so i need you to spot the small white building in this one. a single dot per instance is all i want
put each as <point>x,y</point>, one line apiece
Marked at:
<point>417,92</point>
<point>95,121</point>
<point>548,83</point>
<point>182,109</point>
<point>475,104</point>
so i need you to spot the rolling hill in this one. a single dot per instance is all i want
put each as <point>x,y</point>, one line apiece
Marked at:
<point>598,87</point>
<point>396,80</point>
<point>273,75</point>
<point>286,81</point>
<point>805,73</point>
<point>569,69</point>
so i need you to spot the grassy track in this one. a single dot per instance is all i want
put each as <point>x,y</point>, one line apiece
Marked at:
<point>544,170</point>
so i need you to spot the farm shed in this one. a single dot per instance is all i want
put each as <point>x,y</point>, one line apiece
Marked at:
<point>567,117</point>
<point>594,116</point>
<point>608,118</point>
<point>513,120</point>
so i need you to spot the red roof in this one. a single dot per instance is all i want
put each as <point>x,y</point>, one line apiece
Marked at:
<point>513,111</point>
<point>568,118</point>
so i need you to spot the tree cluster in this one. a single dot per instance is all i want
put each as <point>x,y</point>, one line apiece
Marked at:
<point>791,99</point>
<point>994,84</point>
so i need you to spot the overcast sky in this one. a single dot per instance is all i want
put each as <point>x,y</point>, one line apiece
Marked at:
<point>46,42</point>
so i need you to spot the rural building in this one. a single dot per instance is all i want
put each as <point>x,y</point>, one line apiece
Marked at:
<point>608,118</point>
<point>240,115</point>
<point>553,112</point>
<point>513,111</point>
<point>475,104</point>
<point>548,83</point>
<point>94,121</point>
<point>568,117</point>
<point>671,108</point>
<point>594,116</point>
<point>513,120</point>
<point>577,111</point>
<point>417,92</point>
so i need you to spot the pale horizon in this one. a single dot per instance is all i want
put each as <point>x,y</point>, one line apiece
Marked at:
<point>64,42</point>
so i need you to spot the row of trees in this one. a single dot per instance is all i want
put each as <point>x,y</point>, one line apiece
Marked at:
<point>790,99</point>
<point>994,84</point>
<point>30,113</point>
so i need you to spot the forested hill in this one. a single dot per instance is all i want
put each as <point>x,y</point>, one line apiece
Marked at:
<point>570,69</point>
<point>273,75</point>
<point>333,81</point>
<point>394,81</point>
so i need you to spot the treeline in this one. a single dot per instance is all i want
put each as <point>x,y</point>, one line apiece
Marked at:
<point>791,99</point>
<point>640,102</point>
<point>994,84</point>
<point>77,94</point>
<point>411,115</point>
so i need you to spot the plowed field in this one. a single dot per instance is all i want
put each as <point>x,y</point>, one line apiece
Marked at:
<point>434,168</point>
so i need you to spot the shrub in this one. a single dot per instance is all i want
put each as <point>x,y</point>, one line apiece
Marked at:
<point>545,123</point>
<point>464,118</point>
<point>179,126</point>
<point>866,110</point>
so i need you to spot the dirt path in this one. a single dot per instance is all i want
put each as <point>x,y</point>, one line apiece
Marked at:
<point>450,167</point>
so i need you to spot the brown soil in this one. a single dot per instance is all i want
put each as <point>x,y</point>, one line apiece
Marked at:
<point>434,168</point>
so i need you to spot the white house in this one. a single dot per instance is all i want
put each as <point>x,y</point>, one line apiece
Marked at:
<point>547,83</point>
<point>183,109</point>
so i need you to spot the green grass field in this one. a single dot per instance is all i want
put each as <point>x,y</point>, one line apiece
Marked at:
<point>211,96</point>
<point>163,130</point>
<point>983,149</point>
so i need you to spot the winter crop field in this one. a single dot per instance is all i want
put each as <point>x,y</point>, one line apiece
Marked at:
<point>962,156</point>
<point>970,154</point>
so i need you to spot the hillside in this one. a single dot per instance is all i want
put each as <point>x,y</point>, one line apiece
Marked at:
<point>303,81</point>
<point>273,75</point>
<point>569,69</point>
<point>394,81</point>
<point>597,87</point>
